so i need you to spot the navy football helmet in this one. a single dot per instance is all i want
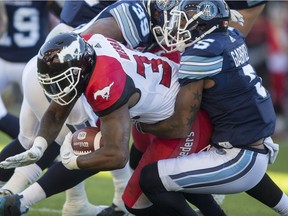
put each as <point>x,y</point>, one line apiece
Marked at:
<point>191,20</point>
<point>159,13</point>
<point>64,66</point>
<point>158,10</point>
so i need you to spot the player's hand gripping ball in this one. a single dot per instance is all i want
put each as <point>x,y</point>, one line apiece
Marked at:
<point>86,140</point>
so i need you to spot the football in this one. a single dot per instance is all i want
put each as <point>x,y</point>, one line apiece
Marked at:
<point>86,140</point>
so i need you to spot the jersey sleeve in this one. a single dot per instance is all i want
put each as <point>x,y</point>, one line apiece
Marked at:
<point>109,87</point>
<point>198,67</point>
<point>132,19</point>
<point>201,60</point>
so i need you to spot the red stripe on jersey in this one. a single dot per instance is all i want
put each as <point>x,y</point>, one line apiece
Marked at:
<point>106,84</point>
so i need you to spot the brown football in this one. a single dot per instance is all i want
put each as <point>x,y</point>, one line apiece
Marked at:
<point>86,140</point>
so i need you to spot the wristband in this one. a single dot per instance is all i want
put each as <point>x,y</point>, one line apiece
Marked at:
<point>40,143</point>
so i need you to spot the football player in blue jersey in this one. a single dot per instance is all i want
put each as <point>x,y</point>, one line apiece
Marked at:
<point>27,29</point>
<point>215,75</point>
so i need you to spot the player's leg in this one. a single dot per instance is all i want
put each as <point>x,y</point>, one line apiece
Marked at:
<point>28,123</point>
<point>267,192</point>
<point>9,123</point>
<point>120,179</point>
<point>45,187</point>
<point>204,172</point>
<point>77,203</point>
<point>155,149</point>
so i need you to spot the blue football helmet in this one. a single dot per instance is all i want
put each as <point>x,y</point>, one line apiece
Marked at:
<point>191,20</point>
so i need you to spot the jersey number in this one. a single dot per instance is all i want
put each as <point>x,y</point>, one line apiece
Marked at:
<point>167,70</point>
<point>26,24</point>
<point>249,71</point>
<point>144,25</point>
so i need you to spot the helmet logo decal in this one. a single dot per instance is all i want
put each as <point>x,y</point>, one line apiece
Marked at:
<point>72,51</point>
<point>104,93</point>
<point>209,10</point>
<point>166,4</point>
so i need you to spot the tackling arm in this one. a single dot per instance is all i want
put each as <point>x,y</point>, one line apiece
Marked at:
<point>107,27</point>
<point>186,108</point>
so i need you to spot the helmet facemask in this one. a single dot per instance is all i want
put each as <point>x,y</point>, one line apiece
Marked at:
<point>65,64</point>
<point>187,25</point>
<point>159,12</point>
<point>61,88</point>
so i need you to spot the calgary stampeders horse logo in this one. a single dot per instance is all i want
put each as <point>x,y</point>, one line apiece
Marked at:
<point>104,93</point>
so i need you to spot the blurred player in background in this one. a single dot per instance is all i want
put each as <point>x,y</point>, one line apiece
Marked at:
<point>28,26</point>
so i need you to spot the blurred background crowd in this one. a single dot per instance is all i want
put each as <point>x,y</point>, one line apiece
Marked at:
<point>268,47</point>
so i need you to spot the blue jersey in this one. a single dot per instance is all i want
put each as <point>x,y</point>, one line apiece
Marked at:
<point>239,106</point>
<point>27,30</point>
<point>75,13</point>
<point>133,20</point>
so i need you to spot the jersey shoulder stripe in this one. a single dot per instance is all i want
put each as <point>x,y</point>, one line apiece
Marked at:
<point>124,18</point>
<point>196,67</point>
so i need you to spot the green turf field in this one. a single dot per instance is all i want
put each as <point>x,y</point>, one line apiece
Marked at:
<point>100,190</point>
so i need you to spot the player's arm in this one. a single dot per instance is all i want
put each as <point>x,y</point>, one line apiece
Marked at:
<point>250,10</point>
<point>187,104</point>
<point>53,120</point>
<point>115,130</point>
<point>107,27</point>
<point>250,15</point>
<point>50,126</point>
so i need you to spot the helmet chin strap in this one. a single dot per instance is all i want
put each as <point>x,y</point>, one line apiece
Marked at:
<point>202,36</point>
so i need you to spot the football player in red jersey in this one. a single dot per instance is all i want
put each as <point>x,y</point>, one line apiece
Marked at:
<point>119,84</point>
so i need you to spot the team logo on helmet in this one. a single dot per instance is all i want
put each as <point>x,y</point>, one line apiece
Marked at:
<point>209,10</point>
<point>72,51</point>
<point>166,4</point>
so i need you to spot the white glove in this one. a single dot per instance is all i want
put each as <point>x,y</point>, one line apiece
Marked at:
<point>69,159</point>
<point>28,157</point>
<point>236,17</point>
<point>273,149</point>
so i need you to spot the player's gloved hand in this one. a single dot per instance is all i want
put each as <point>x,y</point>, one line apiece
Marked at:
<point>69,159</point>
<point>236,17</point>
<point>273,149</point>
<point>28,157</point>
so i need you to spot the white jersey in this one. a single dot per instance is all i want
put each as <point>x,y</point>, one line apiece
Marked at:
<point>120,72</point>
